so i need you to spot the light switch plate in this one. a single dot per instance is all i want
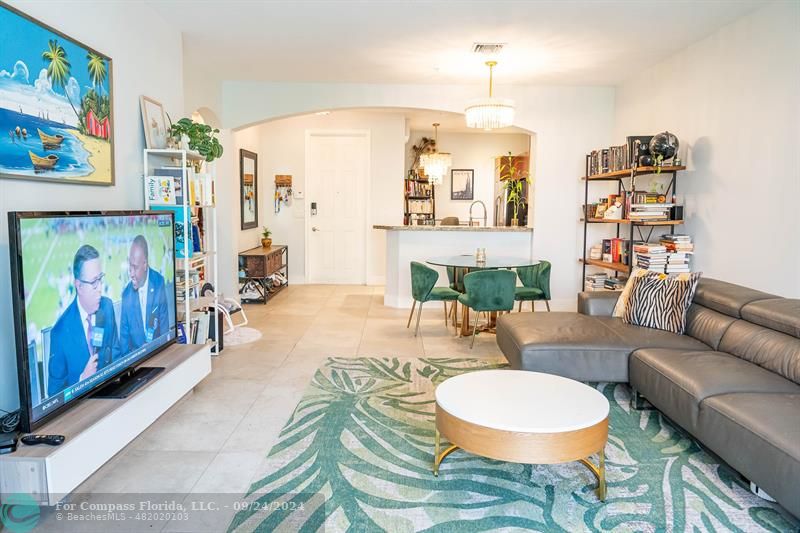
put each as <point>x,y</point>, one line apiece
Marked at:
<point>298,195</point>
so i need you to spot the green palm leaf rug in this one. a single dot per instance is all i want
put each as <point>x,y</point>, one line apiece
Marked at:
<point>357,454</point>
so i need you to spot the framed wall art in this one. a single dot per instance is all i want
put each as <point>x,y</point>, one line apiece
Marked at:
<point>462,184</point>
<point>56,119</point>
<point>248,185</point>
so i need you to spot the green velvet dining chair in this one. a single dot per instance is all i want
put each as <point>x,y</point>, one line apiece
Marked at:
<point>424,289</point>
<point>535,285</point>
<point>488,291</point>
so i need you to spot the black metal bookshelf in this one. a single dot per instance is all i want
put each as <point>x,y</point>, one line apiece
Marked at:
<point>417,189</point>
<point>621,176</point>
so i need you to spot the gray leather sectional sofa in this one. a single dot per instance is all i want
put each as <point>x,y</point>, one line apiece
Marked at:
<point>732,381</point>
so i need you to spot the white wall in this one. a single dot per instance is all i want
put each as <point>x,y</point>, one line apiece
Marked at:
<point>145,62</point>
<point>733,99</point>
<point>475,151</point>
<point>280,146</point>
<point>568,121</point>
<point>228,222</point>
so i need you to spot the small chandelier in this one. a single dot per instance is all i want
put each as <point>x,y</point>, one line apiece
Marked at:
<point>436,163</point>
<point>490,113</point>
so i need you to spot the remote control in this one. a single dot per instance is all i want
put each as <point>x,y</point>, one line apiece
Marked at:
<point>51,440</point>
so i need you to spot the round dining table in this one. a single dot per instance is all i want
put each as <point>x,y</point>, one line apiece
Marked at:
<point>468,262</point>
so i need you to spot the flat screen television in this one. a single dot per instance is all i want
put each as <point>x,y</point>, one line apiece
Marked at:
<point>94,296</point>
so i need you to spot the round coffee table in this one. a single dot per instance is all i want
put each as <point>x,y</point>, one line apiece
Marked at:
<point>523,417</point>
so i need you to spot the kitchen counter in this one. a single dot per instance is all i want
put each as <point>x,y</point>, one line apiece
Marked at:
<point>421,243</point>
<point>454,228</point>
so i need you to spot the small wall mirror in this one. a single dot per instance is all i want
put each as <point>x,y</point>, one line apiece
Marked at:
<point>248,183</point>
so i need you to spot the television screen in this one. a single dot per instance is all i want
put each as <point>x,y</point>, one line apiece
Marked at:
<point>94,295</point>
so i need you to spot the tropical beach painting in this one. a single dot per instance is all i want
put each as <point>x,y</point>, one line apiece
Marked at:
<point>55,105</point>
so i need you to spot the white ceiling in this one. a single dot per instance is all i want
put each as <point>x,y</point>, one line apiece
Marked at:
<point>382,41</point>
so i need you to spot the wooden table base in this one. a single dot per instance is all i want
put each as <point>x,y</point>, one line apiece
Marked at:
<point>465,329</point>
<point>598,470</point>
<point>524,447</point>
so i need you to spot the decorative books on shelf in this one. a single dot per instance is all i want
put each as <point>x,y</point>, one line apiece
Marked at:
<point>650,256</point>
<point>164,187</point>
<point>596,281</point>
<point>616,250</point>
<point>670,255</point>
<point>636,151</point>
<point>679,251</point>
<point>601,282</point>
<point>164,190</point>
<point>609,159</point>
<point>630,206</point>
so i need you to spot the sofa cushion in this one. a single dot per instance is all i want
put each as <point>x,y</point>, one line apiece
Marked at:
<point>765,347</point>
<point>758,434</point>
<point>640,337</point>
<point>567,344</point>
<point>676,381</point>
<point>706,324</point>
<point>781,314</point>
<point>661,302</point>
<point>576,346</point>
<point>597,303</point>
<point>726,298</point>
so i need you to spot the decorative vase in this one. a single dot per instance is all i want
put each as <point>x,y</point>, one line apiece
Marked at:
<point>266,243</point>
<point>515,222</point>
<point>184,142</point>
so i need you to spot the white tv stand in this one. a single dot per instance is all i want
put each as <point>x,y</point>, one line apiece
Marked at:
<point>96,429</point>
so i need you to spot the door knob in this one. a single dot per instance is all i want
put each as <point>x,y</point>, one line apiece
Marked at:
<point>314,228</point>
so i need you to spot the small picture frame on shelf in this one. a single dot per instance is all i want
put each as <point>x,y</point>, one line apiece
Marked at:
<point>462,184</point>
<point>154,120</point>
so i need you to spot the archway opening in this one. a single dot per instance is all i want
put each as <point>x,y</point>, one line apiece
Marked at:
<point>282,145</point>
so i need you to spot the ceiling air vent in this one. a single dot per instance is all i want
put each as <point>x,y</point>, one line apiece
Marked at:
<point>487,48</point>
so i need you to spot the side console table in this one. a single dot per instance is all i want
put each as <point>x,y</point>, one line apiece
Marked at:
<point>258,270</point>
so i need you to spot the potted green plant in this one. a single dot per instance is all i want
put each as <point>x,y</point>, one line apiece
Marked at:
<point>266,241</point>
<point>199,137</point>
<point>513,179</point>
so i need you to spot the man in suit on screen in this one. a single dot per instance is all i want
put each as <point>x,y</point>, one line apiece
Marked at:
<point>144,301</point>
<point>84,339</point>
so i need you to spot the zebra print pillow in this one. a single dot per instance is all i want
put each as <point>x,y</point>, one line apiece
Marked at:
<point>661,302</point>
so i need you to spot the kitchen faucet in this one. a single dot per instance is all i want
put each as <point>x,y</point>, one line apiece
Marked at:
<point>484,211</point>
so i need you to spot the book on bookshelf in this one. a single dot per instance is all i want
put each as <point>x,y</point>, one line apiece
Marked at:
<point>609,159</point>
<point>616,250</point>
<point>615,284</point>
<point>595,282</point>
<point>600,281</point>
<point>160,190</point>
<point>201,319</point>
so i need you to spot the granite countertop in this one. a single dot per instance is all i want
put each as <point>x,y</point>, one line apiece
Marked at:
<point>454,228</point>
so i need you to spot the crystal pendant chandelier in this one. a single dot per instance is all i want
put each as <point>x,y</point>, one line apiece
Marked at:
<point>490,113</point>
<point>436,163</point>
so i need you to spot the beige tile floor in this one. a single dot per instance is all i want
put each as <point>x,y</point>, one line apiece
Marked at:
<point>216,439</point>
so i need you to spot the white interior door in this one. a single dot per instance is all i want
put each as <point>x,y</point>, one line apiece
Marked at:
<point>337,168</point>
